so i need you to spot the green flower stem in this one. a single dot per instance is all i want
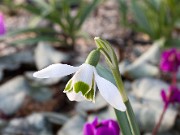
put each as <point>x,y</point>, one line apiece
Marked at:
<point>119,84</point>
<point>126,119</point>
<point>129,112</point>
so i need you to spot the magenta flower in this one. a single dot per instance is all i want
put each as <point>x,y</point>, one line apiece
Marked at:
<point>172,96</point>
<point>106,127</point>
<point>170,60</point>
<point>2,26</point>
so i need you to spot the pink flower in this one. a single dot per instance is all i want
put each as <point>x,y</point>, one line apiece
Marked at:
<point>170,60</point>
<point>105,127</point>
<point>2,26</point>
<point>172,96</point>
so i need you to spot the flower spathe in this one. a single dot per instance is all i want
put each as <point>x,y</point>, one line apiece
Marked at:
<point>82,86</point>
<point>105,127</point>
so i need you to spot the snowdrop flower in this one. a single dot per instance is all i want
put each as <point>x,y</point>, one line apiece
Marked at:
<point>82,86</point>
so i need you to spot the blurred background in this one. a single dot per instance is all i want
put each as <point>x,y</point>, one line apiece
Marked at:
<point>37,33</point>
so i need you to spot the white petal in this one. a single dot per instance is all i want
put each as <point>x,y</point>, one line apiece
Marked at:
<point>55,70</point>
<point>84,74</point>
<point>94,92</point>
<point>110,92</point>
<point>72,96</point>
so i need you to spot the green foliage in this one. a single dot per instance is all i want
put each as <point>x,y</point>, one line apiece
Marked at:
<point>8,6</point>
<point>68,15</point>
<point>157,18</point>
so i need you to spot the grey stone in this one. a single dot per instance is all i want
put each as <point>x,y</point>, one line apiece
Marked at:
<point>148,114</point>
<point>145,65</point>
<point>12,94</point>
<point>41,94</point>
<point>3,124</point>
<point>107,113</point>
<point>13,61</point>
<point>56,118</point>
<point>171,132</point>
<point>46,55</point>
<point>35,124</point>
<point>149,89</point>
<point>73,127</point>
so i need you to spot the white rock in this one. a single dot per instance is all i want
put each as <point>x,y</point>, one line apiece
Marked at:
<point>149,89</point>
<point>145,65</point>
<point>46,55</point>
<point>12,95</point>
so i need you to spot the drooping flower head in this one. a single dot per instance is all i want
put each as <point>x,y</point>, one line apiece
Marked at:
<point>105,127</point>
<point>82,86</point>
<point>172,96</point>
<point>2,26</point>
<point>170,60</point>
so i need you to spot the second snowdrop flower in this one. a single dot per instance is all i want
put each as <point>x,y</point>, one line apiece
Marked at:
<point>82,86</point>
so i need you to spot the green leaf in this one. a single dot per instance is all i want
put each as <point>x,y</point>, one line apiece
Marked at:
<point>123,10</point>
<point>105,73</point>
<point>27,30</point>
<point>172,43</point>
<point>33,9</point>
<point>36,39</point>
<point>42,4</point>
<point>132,119</point>
<point>85,11</point>
<point>141,17</point>
<point>123,122</point>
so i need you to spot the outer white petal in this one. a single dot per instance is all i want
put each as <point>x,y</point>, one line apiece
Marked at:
<point>55,70</point>
<point>72,96</point>
<point>84,74</point>
<point>110,92</point>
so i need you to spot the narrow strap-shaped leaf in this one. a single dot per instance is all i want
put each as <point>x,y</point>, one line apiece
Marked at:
<point>132,118</point>
<point>123,122</point>
<point>140,17</point>
<point>27,30</point>
<point>86,11</point>
<point>123,10</point>
<point>36,39</point>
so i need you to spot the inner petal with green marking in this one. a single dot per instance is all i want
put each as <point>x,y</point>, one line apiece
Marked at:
<point>91,94</point>
<point>69,86</point>
<point>81,86</point>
